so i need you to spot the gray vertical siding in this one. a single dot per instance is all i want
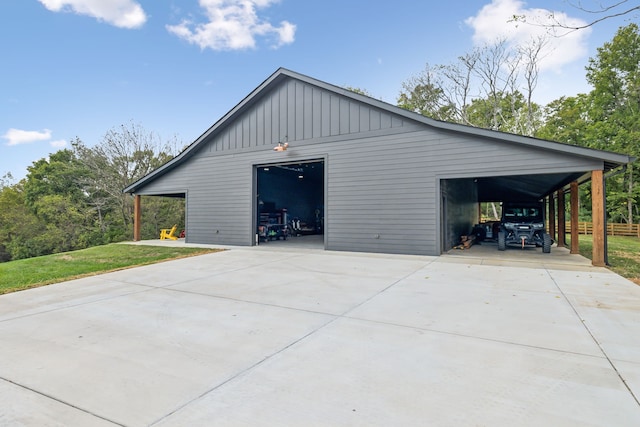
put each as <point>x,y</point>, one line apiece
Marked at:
<point>383,171</point>
<point>295,111</point>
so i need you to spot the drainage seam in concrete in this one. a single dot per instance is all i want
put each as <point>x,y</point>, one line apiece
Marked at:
<point>65,307</point>
<point>457,334</point>
<point>227,298</point>
<point>62,402</point>
<point>613,366</point>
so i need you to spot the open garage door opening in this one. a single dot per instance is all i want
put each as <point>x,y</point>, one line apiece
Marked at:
<point>290,203</point>
<point>471,209</point>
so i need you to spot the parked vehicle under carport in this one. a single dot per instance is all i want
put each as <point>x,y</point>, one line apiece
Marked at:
<point>523,225</point>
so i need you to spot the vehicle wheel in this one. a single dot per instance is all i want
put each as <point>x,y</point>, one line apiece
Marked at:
<point>502,241</point>
<point>546,243</point>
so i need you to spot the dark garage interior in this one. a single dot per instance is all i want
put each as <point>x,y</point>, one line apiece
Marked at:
<point>291,195</point>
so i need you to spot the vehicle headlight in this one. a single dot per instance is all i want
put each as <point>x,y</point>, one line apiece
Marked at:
<point>538,225</point>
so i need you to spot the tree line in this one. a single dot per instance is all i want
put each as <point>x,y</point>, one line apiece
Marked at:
<point>73,199</point>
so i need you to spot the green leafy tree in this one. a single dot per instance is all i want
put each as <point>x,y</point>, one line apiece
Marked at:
<point>66,225</point>
<point>608,117</point>
<point>615,108</point>
<point>6,180</point>
<point>18,225</point>
<point>53,193</point>
<point>57,174</point>
<point>566,120</point>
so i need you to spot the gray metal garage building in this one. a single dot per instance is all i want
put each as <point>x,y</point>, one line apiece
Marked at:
<point>369,176</point>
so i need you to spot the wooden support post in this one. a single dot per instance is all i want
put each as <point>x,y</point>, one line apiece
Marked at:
<point>552,217</point>
<point>575,248</point>
<point>561,220</point>
<point>598,215</point>
<point>136,218</point>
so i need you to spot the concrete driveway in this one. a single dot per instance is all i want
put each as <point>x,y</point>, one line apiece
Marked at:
<point>283,336</point>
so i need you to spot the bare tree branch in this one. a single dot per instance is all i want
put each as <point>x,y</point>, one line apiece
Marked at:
<point>612,11</point>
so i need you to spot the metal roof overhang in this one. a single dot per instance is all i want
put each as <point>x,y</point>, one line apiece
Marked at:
<point>524,187</point>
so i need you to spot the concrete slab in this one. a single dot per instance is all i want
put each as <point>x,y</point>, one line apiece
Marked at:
<point>316,292</point>
<point>609,307</point>
<point>356,373</point>
<point>328,283</point>
<point>67,294</point>
<point>265,337</point>
<point>132,359</point>
<point>24,407</point>
<point>192,268</point>
<point>487,253</point>
<point>513,305</point>
<point>630,372</point>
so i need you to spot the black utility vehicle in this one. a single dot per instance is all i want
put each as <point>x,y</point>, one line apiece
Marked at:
<point>523,225</point>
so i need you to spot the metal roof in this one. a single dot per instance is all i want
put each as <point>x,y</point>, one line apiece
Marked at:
<point>537,186</point>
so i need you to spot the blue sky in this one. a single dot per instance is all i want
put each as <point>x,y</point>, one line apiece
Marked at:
<point>78,68</point>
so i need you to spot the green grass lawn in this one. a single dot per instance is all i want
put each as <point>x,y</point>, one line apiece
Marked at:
<point>624,254</point>
<point>44,270</point>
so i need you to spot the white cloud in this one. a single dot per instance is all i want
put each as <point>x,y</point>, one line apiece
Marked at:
<point>59,143</point>
<point>495,21</point>
<point>120,13</point>
<point>233,25</point>
<point>287,33</point>
<point>18,136</point>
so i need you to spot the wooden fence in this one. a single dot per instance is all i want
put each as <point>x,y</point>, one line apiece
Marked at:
<point>613,229</point>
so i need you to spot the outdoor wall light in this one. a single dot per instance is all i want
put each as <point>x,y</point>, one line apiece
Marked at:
<point>282,146</point>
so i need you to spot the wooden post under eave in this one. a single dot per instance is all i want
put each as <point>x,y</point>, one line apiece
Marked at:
<point>598,215</point>
<point>575,248</point>
<point>552,217</point>
<point>136,218</point>
<point>561,220</point>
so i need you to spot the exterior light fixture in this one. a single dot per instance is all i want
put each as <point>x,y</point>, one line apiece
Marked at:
<point>282,146</point>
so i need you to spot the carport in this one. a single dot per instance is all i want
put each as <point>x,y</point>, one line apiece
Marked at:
<point>547,187</point>
<point>553,188</point>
